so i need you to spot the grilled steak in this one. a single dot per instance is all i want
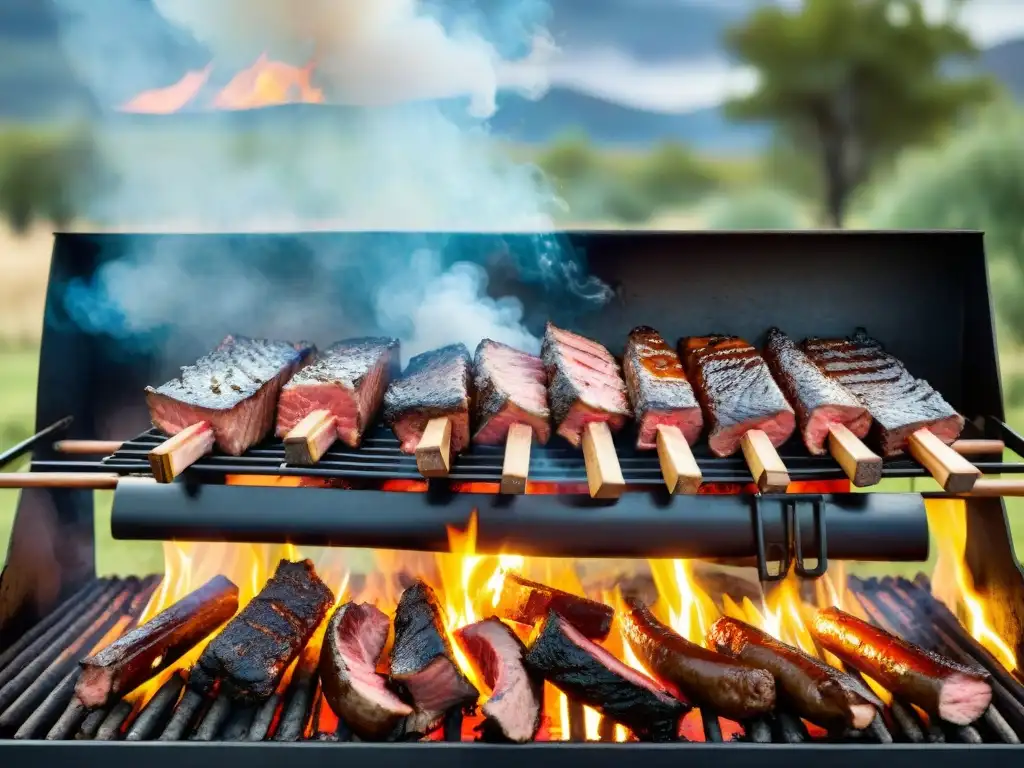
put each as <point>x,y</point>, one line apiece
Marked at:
<point>584,384</point>
<point>658,388</point>
<point>348,379</point>
<point>819,400</point>
<point>496,653</point>
<point>248,657</point>
<point>899,403</point>
<point>355,638</point>
<point>511,388</point>
<point>736,391</point>
<point>423,663</point>
<point>527,602</point>
<point>587,673</point>
<point>434,384</point>
<point>234,389</point>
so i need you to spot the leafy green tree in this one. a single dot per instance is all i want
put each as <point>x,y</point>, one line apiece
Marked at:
<point>854,81</point>
<point>674,175</point>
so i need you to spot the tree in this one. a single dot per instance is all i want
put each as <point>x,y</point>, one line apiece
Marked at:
<point>856,80</point>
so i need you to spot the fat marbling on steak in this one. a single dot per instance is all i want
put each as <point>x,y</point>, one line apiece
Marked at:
<point>511,388</point>
<point>658,388</point>
<point>234,388</point>
<point>435,384</point>
<point>820,400</point>
<point>584,384</point>
<point>737,392</point>
<point>899,402</point>
<point>348,379</point>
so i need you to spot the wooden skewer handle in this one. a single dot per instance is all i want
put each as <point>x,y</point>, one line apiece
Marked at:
<point>604,475</point>
<point>80,480</point>
<point>978,447</point>
<point>861,465</point>
<point>990,488</point>
<point>434,451</point>
<point>678,467</point>
<point>310,438</point>
<point>87,447</point>
<point>951,470</point>
<point>178,453</point>
<point>764,462</point>
<point>516,467</point>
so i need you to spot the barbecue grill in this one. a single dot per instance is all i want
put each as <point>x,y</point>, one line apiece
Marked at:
<point>925,294</point>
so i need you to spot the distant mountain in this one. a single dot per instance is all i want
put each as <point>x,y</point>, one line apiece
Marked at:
<point>1005,62</point>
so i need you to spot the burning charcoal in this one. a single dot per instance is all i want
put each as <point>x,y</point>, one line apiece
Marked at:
<point>347,383</point>
<point>899,403</point>
<point>587,673</point>
<point>251,653</point>
<point>233,389</point>
<point>355,639</point>
<point>135,657</point>
<point>496,653</point>
<point>658,389</point>
<point>527,602</point>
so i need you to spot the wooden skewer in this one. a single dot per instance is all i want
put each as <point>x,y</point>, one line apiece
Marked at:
<point>516,468</point>
<point>678,467</point>
<point>604,475</point>
<point>433,454</point>
<point>860,463</point>
<point>178,453</point>
<point>978,447</point>
<point>951,470</point>
<point>309,440</point>
<point>87,447</point>
<point>764,462</point>
<point>990,488</point>
<point>80,480</point>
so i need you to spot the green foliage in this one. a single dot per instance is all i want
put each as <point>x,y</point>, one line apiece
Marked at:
<point>854,81</point>
<point>570,160</point>
<point>756,209</point>
<point>674,175</point>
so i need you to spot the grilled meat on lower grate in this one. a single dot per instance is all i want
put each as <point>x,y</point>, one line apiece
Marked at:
<point>234,388</point>
<point>658,388</point>
<point>899,403</point>
<point>348,379</point>
<point>819,400</point>
<point>435,384</point>
<point>510,388</point>
<point>584,384</point>
<point>736,391</point>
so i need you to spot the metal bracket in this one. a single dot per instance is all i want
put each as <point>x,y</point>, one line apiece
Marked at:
<point>762,558</point>
<point>818,513</point>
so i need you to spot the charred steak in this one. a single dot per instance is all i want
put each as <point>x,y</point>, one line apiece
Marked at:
<point>658,388</point>
<point>736,391</point>
<point>234,389</point>
<point>899,403</point>
<point>584,384</point>
<point>435,384</point>
<point>249,656</point>
<point>348,379</point>
<point>819,400</point>
<point>511,388</point>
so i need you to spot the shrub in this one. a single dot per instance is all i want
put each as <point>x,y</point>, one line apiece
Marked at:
<point>755,209</point>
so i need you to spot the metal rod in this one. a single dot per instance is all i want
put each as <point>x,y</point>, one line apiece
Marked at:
<point>712,728</point>
<point>26,445</point>
<point>215,717</point>
<point>297,707</point>
<point>156,709</point>
<point>238,724</point>
<point>577,721</point>
<point>264,719</point>
<point>966,734</point>
<point>606,729</point>
<point>53,706</point>
<point>65,727</point>
<point>878,730</point>
<point>453,725</point>
<point>907,722</point>
<point>790,728</point>
<point>186,710</point>
<point>758,731</point>
<point>997,723</point>
<point>87,447</point>
<point>92,724</point>
<point>88,481</point>
<point>110,730</point>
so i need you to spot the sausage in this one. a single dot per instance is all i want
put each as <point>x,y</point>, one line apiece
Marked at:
<point>732,688</point>
<point>940,686</point>
<point>818,692</point>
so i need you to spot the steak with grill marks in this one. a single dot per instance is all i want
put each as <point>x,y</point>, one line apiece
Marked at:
<point>736,391</point>
<point>435,384</point>
<point>899,402</point>
<point>234,389</point>
<point>584,384</point>
<point>249,656</point>
<point>511,388</point>
<point>348,379</point>
<point>658,388</point>
<point>820,401</point>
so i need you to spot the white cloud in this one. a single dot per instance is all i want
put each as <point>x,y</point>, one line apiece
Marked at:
<point>990,22</point>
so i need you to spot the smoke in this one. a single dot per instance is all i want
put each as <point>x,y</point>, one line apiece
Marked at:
<point>407,151</point>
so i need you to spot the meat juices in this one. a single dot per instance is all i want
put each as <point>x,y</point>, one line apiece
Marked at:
<point>587,673</point>
<point>249,656</point>
<point>423,663</point>
<point>732,688</point>
<point>820,401</point>
<point>348,379</point>
<point>899,403</point>
<point>736,391</point>
<point>234,388</point>
<point>435,384</point>
<point>527,602</point>
<point>584,384</point>
<point>954,692</point>
<point>354,641</point>
<point>658,388</point>
<point>511,388</point>
<point>517,696</point>
<point>818,692</point>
